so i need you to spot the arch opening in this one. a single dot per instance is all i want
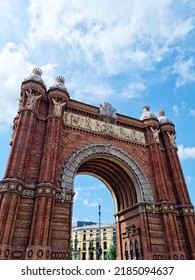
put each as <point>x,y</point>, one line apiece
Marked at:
<point>115,168</point>
<point>123,177</point>
<point>90,193</point>
<point>113,174</point>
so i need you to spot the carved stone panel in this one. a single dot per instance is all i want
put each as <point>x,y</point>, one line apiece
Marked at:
<point>101,127</point>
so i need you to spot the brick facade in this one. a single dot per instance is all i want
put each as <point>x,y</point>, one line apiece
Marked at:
<point>136,159</point>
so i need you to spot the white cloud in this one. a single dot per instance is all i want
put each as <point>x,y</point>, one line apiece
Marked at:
<point>183,109</point>
<point>192,112</point>
<point>91,41</point>
<point>186,152</point>
<point>14,67</point>
<point>134,89</point>
<point>176,110</point>
<point>111,37</point>
<point>91,91</point>
<point>89,204</point>
<point>185,69</point>
<point>190,179</point>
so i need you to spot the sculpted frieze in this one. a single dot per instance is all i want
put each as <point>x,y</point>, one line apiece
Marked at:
<point>101,127</point>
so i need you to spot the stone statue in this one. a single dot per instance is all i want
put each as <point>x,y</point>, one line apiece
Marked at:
<point>32,98</point>
<point>155,134</point>
<point>106,109</point>
<point>172,138</point>
<point>58,107</point>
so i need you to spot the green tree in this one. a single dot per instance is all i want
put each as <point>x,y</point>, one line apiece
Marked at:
<point>112,253</point>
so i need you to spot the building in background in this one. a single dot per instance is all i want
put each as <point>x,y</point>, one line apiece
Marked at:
<point>86,240</point>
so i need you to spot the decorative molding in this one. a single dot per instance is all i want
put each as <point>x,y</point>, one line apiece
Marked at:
<point>163,208</point>
<point>33,192</point>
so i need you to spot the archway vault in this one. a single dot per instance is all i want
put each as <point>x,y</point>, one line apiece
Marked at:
<point>121,174</point>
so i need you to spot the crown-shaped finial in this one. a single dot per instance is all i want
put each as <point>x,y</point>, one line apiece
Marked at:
<point>59,83</point>
<point>37,71</point>
<point>146,113</point>
<point>60,79</point>
<point>146,107</point>
<point>36,76</point>
<point>162,118</point>
<point>161,113</point>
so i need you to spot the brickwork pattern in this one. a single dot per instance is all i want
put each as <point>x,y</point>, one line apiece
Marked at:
<point>154,217</point>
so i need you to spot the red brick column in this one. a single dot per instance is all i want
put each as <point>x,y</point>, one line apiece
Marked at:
<point>184,205</point>
<point>14,177</point>
<point>10,193</point>
<point>164,190</point>
<point>161,193</point>
<point>23,134</point>
<point>39,243</point>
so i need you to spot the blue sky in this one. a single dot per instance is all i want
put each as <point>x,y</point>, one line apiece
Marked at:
<point>129,53</point>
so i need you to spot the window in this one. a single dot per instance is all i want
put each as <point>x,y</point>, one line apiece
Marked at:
<point>91,245</point>
<point>84,237</point>
<point>105,245</point>
<point>114,236</point>
<point>91,237</point>
<point>137,254</point>
<point>126,251</point>
<point>84,246</point>
<point>97,236</point>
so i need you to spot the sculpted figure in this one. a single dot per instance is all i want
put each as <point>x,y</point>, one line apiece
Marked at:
<point>58,107</point>
<point>155,134</point>
<point>32,98</point>
<point>106,109</point>
<point>172,138</point>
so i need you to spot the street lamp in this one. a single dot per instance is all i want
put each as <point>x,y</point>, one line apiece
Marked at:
<point>99,248</point>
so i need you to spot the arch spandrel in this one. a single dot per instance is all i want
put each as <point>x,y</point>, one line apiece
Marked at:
<point>112,154</point>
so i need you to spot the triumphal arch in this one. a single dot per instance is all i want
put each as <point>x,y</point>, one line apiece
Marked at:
<point>54,138</point>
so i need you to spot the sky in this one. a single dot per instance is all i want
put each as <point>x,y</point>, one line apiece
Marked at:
<point>129,53</point>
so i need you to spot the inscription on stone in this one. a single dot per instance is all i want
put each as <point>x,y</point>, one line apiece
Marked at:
<point>101,127</point>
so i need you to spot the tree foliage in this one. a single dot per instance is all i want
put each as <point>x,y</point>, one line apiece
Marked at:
<point>112,252</point>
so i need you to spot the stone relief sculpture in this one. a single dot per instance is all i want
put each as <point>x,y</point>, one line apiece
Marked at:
<point>58,107</point>
<point>103,127</point>
<point>172,138</point>
<point>155,134</point>
<point>32,98</point>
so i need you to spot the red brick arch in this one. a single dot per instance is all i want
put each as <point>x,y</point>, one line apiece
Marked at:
<point>123,175</point>
<point>54,138</point>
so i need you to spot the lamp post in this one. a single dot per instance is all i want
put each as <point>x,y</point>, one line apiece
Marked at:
<point>99,248</point>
